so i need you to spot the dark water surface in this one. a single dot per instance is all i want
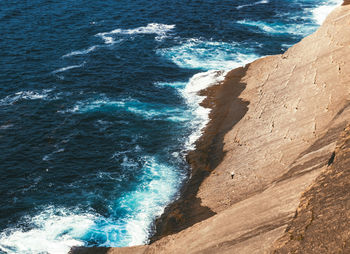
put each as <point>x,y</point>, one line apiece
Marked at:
<point>98,107</point>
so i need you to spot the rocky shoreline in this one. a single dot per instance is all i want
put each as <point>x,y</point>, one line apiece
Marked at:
<point>275,123</point>
<point>221,99</point>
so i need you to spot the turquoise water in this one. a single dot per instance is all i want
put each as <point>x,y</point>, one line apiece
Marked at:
<point>99,107</point>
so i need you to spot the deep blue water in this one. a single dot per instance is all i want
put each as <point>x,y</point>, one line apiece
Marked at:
<point>98,107</point>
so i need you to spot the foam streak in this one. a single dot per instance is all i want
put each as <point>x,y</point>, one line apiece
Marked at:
<point>248,5</point>
<point>81,52</point>
<point>68,68</point>
<point>160,30</point>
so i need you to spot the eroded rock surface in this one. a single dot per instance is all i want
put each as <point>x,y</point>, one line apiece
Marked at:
<point>322,220</point>
<point>295,106</point>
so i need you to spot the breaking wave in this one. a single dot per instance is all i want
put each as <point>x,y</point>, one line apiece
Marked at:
<point>63,69</point>
<point>208,55</point>
<point>320,13</point>
<point>160,30</point>
<point>26,95</point>
<point>56,230</point>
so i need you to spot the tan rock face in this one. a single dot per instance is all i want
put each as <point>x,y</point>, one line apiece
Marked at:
<point>298,105</point>
<point>208,154</point>
<point>322,221</point>
<point>293,108</point>
<point>292,100</point>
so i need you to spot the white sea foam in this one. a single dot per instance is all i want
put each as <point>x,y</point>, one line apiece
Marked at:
<point>317,14</point>
<point>252,4</point>
<point>81,52</point>
<point>68,68</point>
<point>277,28</point>
<point>197,83</point>
<point>208,55</point>
<point>196,115</point>
<point>26,95</point>
<point>107,38</point>
<point>160,30</point>
<point>203,80</point>
<point>320,13</point>
<point>148,200</point>
<point>51,231</point>
<point>56,230</point>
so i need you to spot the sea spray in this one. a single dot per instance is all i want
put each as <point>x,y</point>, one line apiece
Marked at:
<point>197,83</point>
<point>321,12</point>
<point>209,55</point>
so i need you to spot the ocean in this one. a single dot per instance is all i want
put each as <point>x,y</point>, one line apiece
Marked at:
<point>99,107</point>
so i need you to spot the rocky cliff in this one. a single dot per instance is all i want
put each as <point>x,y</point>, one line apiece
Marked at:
<point>276,124</point>
<point>321,222</point>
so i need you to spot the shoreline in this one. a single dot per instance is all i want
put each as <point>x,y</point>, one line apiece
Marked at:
<point>187,210</point>
<point>226,110</point>
<point>297,144</point>
<point>208,153</point>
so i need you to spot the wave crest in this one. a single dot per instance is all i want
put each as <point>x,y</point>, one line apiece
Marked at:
<point>256,3</point>
<point>160,30</point>
<point>208,55</point>
<point>25,95</point>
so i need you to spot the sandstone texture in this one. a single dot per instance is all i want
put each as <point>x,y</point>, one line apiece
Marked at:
<point>276,124</point>
<point>321,222</point>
